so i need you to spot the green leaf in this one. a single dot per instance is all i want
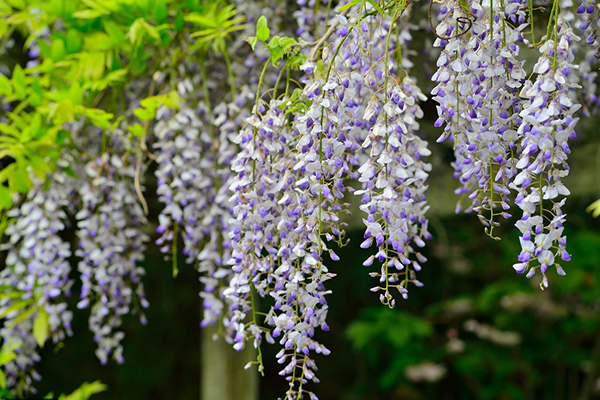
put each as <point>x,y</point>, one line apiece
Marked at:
<point>76,94</point>
<point>18,4</point>
<point>97,117</point>
<point>22,317</point>
<point>85,391</point>
<point>73,41</point>
<point>262,30</point>
<point>160,11</point>
<point>137,130</point>
<point>17,305</point>
<point>87,14</point>
<point>144,114</point>
<point>134,30</point>
<point>18,81</point>
<point>19,179</point>
<point>276,54</point>
<point>41,327</point>
<point>376,6</point>
<point>287,42</point>
<point>6,201</point>
<point>114,31</point>
<point>37,93</point>
<point>58,50</point>
<point>274,42</point>
<point>152,31</point>
<point>7,355</point>
<point>594,208</point>
<point>2,380</point>
<point>351,4</point>
<point>251,41</point>
<point>179,21</point>
<point>70,172</point>
<point>39,166</point>
<point>18,18</point>
<point>5,86</point>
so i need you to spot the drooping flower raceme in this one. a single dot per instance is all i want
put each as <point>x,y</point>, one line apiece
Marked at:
<point>586,52</point>
<point>254,240</point>
<point>393,174</point>
<point>548,124</point>
<point>38,271</point>
<point>216,249</point>
<point>110,245</point>
<point>480,75</point>
<point>394,195</point>
<point>183,184</point>
<point>458,92</point>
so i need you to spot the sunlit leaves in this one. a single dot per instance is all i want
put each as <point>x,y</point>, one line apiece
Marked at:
<point>262,30</point>
<point>216,24</point>
<point>7,354</point>
<point>594,208</point>
<point>41,328</point>
<point>5,86</point>
<point>18,81</point>
<point>85,391</point>
<point>149,105</point>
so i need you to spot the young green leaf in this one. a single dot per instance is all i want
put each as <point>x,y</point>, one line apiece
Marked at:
<point>5,86</point>
<point>87,14</point>
<point>5,198</point>
<point>85,391</point>
<point>41,327</point>
<point>262,30</point>
<point>251,41</point>
<point>18,81</point>
<point>594,208</point>
<point>351,4</point>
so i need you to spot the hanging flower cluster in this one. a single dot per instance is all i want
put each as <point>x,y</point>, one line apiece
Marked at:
<point>548,123</point>
<point>182,184</point>
<point>39,273</point>
<point>110,245</point>
<point>216,251</point>
<point>394,174</point>
<point>479,78</point>
<point>585,20</point>
<point>271,238</point>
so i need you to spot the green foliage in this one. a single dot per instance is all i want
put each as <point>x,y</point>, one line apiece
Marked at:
<point>279,46</point>
<point>496,335</point>
<point>262,30</point>
<point>102,46</point>
<point>395,331</point>
<point>6,354</point>
<point>41,327</point>
<point>85,391</point>
<point>594,208</point>
<point>216,22</point>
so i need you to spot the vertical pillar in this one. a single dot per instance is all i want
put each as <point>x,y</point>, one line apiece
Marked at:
<point>223,376</point>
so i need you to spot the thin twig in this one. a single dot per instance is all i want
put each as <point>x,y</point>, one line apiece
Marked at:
<point>138,187</point>
<point>141,149</point>
<point>326,35</point>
